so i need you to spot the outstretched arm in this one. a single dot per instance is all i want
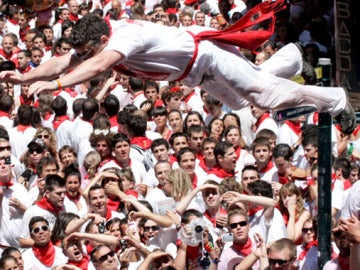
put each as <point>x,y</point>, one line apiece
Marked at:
<point>83,72</point>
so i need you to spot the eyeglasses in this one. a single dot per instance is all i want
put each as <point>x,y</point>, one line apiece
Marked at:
<point>3,148</point>
<point>36,230</point>
<point>153,228</point>
<point>210,191</point>
<point>278,262</point>
<point>306,230</point>
<point>43,136</point>
<point>37,150</point>
<point>103,258</point>
<point>241,223</point>
<point>7,160</point>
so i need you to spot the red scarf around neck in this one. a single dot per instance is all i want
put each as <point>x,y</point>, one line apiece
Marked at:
<point>143,142</point>
<point>306,249</point>
<point>344,262</point>
<point>221,173</point>
<point>45,204</point>
<point>262,119</point>
<point>268,167</point>
<point>243,249</point>
<point>74,199</point>
<point>45,254</point>
<point>58,120</point>
<point>83,264</point>
<point>296,127</point>
<point>7,184</point>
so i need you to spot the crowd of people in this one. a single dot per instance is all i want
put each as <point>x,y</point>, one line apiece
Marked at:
<point>113,171</point>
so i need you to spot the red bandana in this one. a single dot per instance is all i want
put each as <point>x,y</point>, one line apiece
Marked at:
<point>344,262</point>
<point>112,205</point>
<point>4,114</point>
<point>306,249</point>
<point>143,142</point>
<point>221,173</point>
<point>45,204</point>
<point>22,128</point>
<point>7,184</point>
<point>294,126</point>
<point>212,219</point>
<point>190,95</point>
<point>83,264</point>
<point>243,249</point>
<point>46,254</point>
<point>283,178</point>
<point>113,121</point>
<point>262,119</point>
<point>58,120</point>
<point>268,167</point>
<point>74,199</point>
<point>25,102</point>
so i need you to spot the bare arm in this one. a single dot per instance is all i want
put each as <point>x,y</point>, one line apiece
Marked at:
<point>163,221</point>
<point>83,72</point>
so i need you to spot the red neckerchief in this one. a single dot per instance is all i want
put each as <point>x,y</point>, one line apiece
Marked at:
<point>316,118</point>
<point>202,165</point>
<point>171,10</point>
<point>243,249</point>
<point>252,211</point>
<point>23,71</point>
<point>22,128</point>
<point>122,166</point>
<point>6,56</point>
<point>194,181</point>
<point>206,110</point>
<point>112,87</point>
<point>60,21</point>
<point>70,91</point>
<point>58,120</point>
<point>7,184</point>
<point>221,173</point>
<point>192,253</point>
<point>172,159</point>
<point>190,95</point>
<point>262,119</point>
<point>47,115</point>
<point>75,198</point>
<point>105,160</point>
<point>137,94</point>
<point>108,213</point>
<point>56,93</point>
<point>27,102</point>
<point>347,184</point>
<point>143,142</point>
<point>113,121</point>
<point>45,204</point>
<point>283,178</point>
<point>268,167</point>
<point>294,126</point>
<point>113,205</point>
<point>48,48</point>
<point>159,103</point>
<point>132,192</point>
<point>344,262</point>
<point>199,155</point>
<point>356,130</point>
<point>83,264</point>
<point>73,18</point>
<point>46,254</point>
<point>23,31</point>
<point>89,248</point>
<point>333,180</point>
<point>306,249</point>
<point>213,219</point>
<point>4,114</point>
<point>13,21</point>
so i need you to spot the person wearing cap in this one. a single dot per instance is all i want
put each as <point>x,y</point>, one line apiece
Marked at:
<point>196,57</point>
<point>14,200</point>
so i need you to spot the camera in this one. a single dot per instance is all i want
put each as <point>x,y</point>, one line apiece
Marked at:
<point>101,227</point>
<point>227,237</point>
<point>192,233</point>
<point>123,244</point>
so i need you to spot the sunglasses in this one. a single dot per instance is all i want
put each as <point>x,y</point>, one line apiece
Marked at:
<point>43,136</point>
<point>306,230</point>
<point>103,258</point>
<point>37,150</point>
<point>7,160</point>
<point>210,191</point>
<point>153,228</point>
<point>36,230</point>
<point>241,223</point>
<point>3,148</point>
<point>278,262</point>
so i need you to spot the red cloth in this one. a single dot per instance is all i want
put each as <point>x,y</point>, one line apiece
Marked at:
<point>268,167</point>
<point>344,262</point>
<point>306,249</point>
<point>143,142</point>
<point>7,184</point>
<point>45,204</point>
<point>45,254</point>
<point>74,199</point>
<point>244,249</point>
<point>262,119</point>
<point>83,264</point>
<point>58,120</point>
<point>296,127</point>
<point>22,128</point>
<point>221,173</point>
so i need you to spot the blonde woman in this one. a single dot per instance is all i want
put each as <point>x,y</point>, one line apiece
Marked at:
<point>90,167</point>
<point>49,138</point>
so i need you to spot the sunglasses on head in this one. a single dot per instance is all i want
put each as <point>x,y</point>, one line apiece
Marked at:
<point>3,148</point>
<point>37,150</point>
<point>153,228</point>
<point>36,230</point>
<point>305,230</point>
<point>235,225</point>
<point>278,262</point>
<point>103,258</point>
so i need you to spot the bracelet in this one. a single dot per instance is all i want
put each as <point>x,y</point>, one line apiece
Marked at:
<point>58,83</point>
<point>209,247</point>
<point>350,150</point>
<point>295,146</point>
<point>216,260</point>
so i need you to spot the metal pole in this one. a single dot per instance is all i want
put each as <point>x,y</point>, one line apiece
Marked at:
<point>324,177</point>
